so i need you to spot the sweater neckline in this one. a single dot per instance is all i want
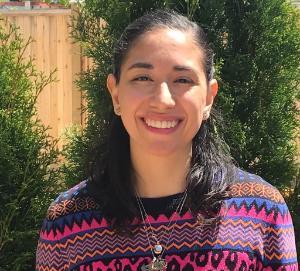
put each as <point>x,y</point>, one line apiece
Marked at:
<point>159,205</point>
<point>168,197</point>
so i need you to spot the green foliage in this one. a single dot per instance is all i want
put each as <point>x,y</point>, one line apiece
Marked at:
<point>66,3</point>
<point>262,73</point>
<point>97,41</point>
<point>293,201</point>
<point>257,49</point>
<point>28,177</point>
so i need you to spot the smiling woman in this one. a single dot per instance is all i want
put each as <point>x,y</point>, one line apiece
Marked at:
<point>166,87</point>
<point>168,196</point>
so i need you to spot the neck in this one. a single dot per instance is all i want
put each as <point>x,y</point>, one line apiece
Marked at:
<point>158,176</point>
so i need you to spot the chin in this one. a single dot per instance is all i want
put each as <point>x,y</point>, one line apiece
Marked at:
<point>162,149</point>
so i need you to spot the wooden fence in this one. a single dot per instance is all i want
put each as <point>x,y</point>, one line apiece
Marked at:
<point>60,103</point>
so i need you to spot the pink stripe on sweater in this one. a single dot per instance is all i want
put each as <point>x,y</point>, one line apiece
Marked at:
<point>75,229</point>
<point>262,215</point>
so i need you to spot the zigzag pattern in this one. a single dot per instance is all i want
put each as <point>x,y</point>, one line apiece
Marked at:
<point>257,208</point>
<point>189,235</point>
<point>46,268</point>
<point>245,208</point>
<point>256,233</point>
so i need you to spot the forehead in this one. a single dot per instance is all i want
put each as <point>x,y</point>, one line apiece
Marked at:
<point>158,45</point>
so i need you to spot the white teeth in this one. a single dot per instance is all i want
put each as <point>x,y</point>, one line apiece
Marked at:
<point>158,124</point>
<point>161,124</point>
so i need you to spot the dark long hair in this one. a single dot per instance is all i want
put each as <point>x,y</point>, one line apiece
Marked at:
<point>211,169</point>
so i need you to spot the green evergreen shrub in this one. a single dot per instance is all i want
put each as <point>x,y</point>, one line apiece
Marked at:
<point>28,155</point>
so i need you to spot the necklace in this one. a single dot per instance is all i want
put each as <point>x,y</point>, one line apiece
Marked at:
<point>158,262</point>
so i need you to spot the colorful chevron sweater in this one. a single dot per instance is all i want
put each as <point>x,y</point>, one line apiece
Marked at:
<point>255,233</point>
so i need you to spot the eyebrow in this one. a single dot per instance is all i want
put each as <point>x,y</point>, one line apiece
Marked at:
<point>144,65</point>
<point>182,68</point>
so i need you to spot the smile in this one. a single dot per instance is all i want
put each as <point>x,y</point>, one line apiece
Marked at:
<point>161,124</point>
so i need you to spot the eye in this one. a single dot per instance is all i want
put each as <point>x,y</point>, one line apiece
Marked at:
<point>184,81</point>
<point>142,78</point>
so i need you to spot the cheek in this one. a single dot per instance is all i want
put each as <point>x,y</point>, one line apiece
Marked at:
<point>195,104</point>
<point>126,100</point>
<point>131,97</point>
<point>130,103</point>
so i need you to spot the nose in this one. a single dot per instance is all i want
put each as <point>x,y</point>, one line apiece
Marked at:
<point>162,97</point>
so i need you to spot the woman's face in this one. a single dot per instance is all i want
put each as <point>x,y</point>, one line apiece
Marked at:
<point>163,92</point>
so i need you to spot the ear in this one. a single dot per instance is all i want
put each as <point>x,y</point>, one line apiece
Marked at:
<point>111,84</point>
<point>211,94</point>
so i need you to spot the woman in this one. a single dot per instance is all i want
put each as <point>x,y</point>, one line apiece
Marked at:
<point>168,196</point>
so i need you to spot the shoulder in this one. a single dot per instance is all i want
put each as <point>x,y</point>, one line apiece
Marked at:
<point>258,214</point>
<point>248,185</point>
<point>253,197</point>
<point>72,201</point>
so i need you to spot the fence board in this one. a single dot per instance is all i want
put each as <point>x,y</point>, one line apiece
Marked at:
<point>60,103</point>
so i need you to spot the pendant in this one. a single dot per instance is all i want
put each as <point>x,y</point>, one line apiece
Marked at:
<point>156,264</point>
<point>157,249</point>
